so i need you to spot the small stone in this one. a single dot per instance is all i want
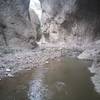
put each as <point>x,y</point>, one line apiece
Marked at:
<point>46,62</point>
<point>19,57</point>
<point>10,75</point>
<point>8,70</point>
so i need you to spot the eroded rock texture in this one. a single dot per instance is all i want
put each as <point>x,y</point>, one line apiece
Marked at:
<point>76,22</point>
<point>16,28</point>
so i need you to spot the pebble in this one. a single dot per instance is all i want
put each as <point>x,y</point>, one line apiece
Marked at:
<point>10,75</point>
<point>47,62</point>
<point>8,70</point>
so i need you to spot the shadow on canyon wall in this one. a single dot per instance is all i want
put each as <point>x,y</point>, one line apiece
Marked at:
<point>87,11</point>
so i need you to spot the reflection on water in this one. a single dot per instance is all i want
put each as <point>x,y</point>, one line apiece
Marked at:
<point>68,79</point>
<point>37,89</point>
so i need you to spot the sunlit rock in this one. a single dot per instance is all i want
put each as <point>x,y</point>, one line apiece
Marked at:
<point>36,6</point>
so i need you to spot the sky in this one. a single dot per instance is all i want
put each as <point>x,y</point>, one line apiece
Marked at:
<point>35,4</point>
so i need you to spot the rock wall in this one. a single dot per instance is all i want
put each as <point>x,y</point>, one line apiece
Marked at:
<point>75,22</point>
<point>16,28</point>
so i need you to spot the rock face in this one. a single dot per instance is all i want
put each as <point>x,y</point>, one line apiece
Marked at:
<point>75,22</point>
<point>16,29</point>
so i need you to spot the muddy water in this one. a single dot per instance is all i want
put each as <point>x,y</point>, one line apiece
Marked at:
<point>66,79</point>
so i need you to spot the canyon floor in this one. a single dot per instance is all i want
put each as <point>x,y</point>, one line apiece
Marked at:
<point>15,60</point>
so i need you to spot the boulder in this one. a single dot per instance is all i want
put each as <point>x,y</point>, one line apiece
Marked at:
<point>92,52</point>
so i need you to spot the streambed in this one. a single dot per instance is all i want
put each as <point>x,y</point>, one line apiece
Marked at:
<point>61,79</point>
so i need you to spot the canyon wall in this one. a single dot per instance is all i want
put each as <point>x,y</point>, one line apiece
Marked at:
<point>17,28</point>
<point>75,22</point>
